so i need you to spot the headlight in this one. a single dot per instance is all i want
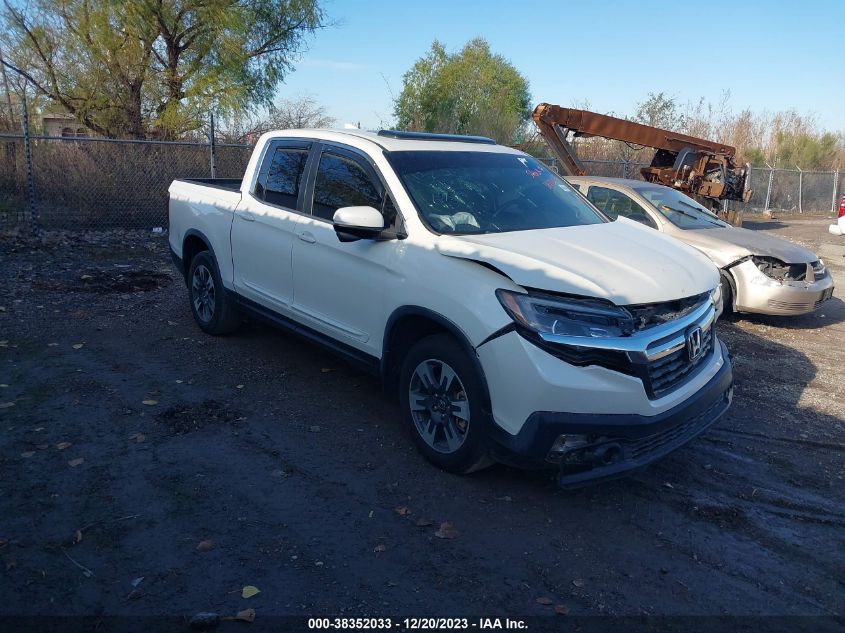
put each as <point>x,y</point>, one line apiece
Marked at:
<point>568,316</point>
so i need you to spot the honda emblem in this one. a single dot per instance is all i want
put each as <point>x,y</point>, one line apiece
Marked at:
<point>694,343</point>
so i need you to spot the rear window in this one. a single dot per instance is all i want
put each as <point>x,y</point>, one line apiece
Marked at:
<point>284,177</point>
<point>464,193</point>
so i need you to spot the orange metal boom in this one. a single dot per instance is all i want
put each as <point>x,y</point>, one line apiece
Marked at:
<point>694,165</point>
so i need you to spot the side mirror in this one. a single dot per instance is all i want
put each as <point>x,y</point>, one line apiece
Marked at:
<point>357,223</point>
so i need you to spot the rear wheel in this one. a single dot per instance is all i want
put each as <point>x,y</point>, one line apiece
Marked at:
<point>441,394</point>
<point>213,311</point>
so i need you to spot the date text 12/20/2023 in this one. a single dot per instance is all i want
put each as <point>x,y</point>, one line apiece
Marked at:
<point>416,624</point>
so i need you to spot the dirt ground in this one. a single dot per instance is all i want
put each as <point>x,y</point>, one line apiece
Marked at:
<point>130,439</point>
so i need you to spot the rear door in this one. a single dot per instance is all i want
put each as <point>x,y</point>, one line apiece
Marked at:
<point>339,287</point>
<point>264,226</point>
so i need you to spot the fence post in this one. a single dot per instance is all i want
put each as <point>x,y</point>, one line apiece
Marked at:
<point>800,189</point>
<point>27,148</point>
<point>624,167</point>
<point>835,187</point>
<point>212,148</point>
<point>769,188</point>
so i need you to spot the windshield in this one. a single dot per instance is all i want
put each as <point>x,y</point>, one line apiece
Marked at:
<point>462,193</point>
<point>680,210</point>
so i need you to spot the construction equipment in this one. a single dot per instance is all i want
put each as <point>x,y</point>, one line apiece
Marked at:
<point>698,167</point>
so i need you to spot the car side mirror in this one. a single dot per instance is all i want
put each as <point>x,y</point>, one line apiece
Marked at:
<point>357,223</point>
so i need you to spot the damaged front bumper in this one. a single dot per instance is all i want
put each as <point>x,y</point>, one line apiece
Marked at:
<point>758,293</point>
<point>591,448</point>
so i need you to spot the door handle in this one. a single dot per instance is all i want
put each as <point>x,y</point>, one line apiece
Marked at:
<point>246,215</point>
<point>307,237</point>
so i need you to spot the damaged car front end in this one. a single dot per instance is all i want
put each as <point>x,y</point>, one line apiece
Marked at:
<point>768,285</point>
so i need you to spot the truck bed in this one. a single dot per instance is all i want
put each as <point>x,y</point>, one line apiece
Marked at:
<point>230,184</point>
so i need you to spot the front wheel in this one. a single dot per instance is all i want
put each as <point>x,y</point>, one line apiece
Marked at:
<point>727,294</point>
<point>441,394</point>
<point>213,311</point>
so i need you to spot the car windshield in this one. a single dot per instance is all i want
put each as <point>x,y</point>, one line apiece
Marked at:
<point>462,193</point>
<point>680,210</point>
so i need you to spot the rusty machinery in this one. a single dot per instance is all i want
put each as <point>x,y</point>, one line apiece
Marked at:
<point>698,167</point>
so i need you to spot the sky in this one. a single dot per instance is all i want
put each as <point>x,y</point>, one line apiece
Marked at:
<point>771,55</point>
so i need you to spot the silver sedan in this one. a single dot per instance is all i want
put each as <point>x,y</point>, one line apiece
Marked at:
<point>760,273</point>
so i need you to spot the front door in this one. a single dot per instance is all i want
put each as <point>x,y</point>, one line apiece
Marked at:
<point>339,287</point>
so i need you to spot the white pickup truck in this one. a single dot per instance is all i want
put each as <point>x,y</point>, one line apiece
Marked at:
<point>514,321</point>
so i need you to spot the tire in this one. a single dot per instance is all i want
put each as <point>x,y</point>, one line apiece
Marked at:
<point>213,311</point>
<point>727,294</point>
<point>452,436</point>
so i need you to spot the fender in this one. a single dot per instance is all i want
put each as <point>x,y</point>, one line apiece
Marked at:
<point>442,321</point>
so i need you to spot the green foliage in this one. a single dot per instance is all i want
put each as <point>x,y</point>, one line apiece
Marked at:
<point>472,91</point>
<point>807,151</point>
<point>152,66</point>
<point>660,110</point>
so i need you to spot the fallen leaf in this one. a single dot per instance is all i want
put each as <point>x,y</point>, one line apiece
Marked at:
<point>77,537</point>
<point>149,403</point>
<point>447,530</point>
<point>179,382</point>
<point>138,437</point>
<point>422,522</point>
<point>3,385</point>
<point>578,582</point>
<point>249,591</point>
<point>27,454</point>
<point>378,549</point>
<point>76,462</point>
<point>239,386</point>
<point>668,485</point>
<point>6,405</point>
<point>52,344</point>
<point>561,609</point>
<point>38,429</point>
<point>544,600</point>
<point>403,511</point>
<point>326,370</point>
<point>63,445</point>
<point>247,615</point>
<point>205,546</point>
<point>137,581</point>
<point>4,343</point>
<point>314,428</point>
<point>2,308</point>
<point>78,345</point>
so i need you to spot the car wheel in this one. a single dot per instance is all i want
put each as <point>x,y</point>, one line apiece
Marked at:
<point>441,394</point>
<point>727,294</point>
<point>213,311</point>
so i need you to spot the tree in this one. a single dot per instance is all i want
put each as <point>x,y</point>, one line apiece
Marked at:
<point>472,91</point>
<point>297,113</point>
<point>659,110</point>
<point>157,66</point>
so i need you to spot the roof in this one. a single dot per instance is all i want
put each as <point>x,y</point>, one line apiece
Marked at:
<point>361,138</point>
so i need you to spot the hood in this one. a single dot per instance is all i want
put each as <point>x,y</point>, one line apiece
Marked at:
<point>622,261</point>
<point>726,245</point>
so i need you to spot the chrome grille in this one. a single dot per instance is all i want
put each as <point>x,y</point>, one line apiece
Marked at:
<point>670,371</point>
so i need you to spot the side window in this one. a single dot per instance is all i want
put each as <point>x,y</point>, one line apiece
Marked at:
<point>284,177</point>
<point>342,182</point>
<point>615,203</point>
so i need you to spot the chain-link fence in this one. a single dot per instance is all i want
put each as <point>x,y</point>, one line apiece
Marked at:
<point>96,183</point>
